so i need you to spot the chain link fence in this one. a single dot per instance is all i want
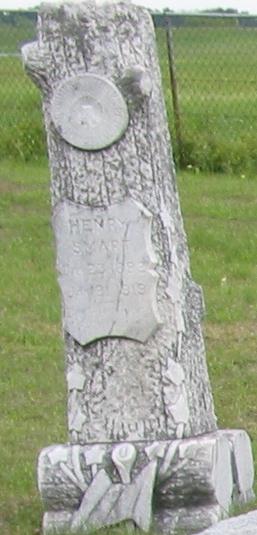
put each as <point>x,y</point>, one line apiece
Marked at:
<point>209,69</point>
<point>212,70</point>
<point>21,131</point>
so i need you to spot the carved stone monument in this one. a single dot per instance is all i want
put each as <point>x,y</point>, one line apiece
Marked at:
<point>143,442</point>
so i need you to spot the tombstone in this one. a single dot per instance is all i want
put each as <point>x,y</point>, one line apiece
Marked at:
<point>143,440</point>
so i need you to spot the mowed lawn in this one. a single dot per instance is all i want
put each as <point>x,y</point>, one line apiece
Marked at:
<point>21,127</point>
<point>220,218</point>
<point>216,75</point>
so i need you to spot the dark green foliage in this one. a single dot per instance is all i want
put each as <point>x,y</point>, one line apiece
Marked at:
<point>16,28</point>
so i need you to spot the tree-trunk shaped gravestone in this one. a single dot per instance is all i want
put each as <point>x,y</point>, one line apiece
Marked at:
<point>143,439</point>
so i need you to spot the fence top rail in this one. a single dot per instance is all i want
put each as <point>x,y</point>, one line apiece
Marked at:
<point>164,20</point>
<point>206,14</point>
<point>156,13</point>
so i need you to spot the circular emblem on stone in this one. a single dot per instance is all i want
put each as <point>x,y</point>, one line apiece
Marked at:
<point>89,112</point>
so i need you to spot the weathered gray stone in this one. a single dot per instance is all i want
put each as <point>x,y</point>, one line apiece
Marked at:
<point>193,483</point>
<point>186,520</point>
<point>75,378</point>
<point>191,472</point>
<point>59,485</point>
<point>105,261</point>
<point>94,456</point>
<point>128,393</point>
<point>124,456</point>
<point>242,464</point>
<point>56,522</point>
<point>126,502</point>
<point>96,500</point>
<point>135,360</point>
<point>93,495</point>
<point>239,525</point>
<point>136,83</point>
<point>89,112</point>
<point>75,468</point>
<point>156,450</point>
<point>196,471</point>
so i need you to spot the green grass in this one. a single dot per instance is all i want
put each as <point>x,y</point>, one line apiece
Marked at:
<point>15,30</point>
<point>21,128</point>
<point>220,219</point>
<point>32,379</point>
<point>216,70</point>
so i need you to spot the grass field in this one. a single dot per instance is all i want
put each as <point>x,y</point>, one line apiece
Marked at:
<point>15,30</point>
<point>220,218</point>
<point>216,69</point>
<point>21,129</point>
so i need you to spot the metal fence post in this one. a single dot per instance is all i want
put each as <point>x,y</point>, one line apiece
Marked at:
<point>174,92</point>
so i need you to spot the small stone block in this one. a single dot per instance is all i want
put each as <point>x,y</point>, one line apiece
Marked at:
<point>239,525</point>
<point>242,464</point>
<point>186,520</point>
<point>105,259</point>
<point>56,522</point>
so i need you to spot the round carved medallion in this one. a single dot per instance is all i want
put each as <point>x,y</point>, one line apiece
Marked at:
<point>89,112</point>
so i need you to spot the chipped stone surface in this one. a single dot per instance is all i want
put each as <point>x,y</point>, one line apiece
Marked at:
<point>89,111</point>
<point>75,378</point>
<point>57,454</point>
<point>97,499</point>
<point>186,520</point>
<point>242,464</point>
<point>206,455</point>
<point>124,456</point>
<point>59,485</point>
<point>110,504</point>
<point>76,418</point>
<point>56,522</point>
<point>175,373</point>
<point>197,470</point>
<point>105,262</point>
<point>95,454</point>
<point>176,401</point>
<point>192,481</point>
<point>239,525</point>
<point>93,495</point>
<point>136,369</point>
<point>73,464</point>
<point>124,396</point>
<point>156,450</point>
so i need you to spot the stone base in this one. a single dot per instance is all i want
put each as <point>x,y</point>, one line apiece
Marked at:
<point>182,484</point>
<point>238,525</point>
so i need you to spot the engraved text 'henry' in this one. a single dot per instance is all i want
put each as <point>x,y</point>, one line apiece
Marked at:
<point>105,261</point>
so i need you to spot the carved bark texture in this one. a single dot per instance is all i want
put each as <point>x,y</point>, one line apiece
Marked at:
<point>193,482</point>
<point>191,472</point>
<point>129,392</point>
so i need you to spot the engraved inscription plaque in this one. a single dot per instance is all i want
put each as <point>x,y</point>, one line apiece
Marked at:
<point>106,261</point>
<point>89,112</point>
